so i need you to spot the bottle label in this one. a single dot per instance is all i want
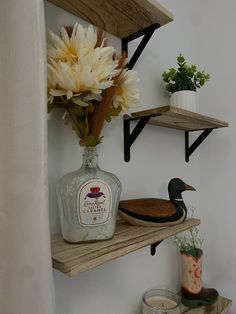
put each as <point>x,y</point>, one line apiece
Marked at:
<point>94,203</point>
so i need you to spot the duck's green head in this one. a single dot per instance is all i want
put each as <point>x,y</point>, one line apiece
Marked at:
<point>176,187</point>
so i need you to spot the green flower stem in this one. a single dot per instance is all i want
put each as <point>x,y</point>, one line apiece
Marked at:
<point>75,122</point>
<point>65,105</point>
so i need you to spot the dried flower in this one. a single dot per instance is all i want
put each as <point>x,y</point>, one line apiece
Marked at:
<point>189,241</point>
<point>88,80</point>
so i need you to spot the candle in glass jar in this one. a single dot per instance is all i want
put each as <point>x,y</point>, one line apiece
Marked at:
<point>160,301</point>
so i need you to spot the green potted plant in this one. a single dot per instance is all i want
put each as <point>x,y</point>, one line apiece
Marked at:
<point>192,292</point>
<point>183,83</point>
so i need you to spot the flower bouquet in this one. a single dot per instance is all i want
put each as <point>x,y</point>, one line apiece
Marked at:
<point>91,83</point>
<point>88,80</point>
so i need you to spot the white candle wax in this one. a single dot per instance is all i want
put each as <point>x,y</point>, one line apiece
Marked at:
<point>161,302</point>
<point>155,304</point>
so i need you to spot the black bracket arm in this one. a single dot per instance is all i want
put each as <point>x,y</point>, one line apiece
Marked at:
<point>147,34</point>
<point>154,246</point>
<point>190,149</point>
<point>129,138</point>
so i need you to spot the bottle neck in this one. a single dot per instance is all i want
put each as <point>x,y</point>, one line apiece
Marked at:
<point>90,157</point>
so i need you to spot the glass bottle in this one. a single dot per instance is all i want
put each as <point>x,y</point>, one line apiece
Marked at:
<point>88,201</point>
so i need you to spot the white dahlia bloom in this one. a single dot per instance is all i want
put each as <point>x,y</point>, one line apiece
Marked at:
<point>127,94</point>
<point>76,66</point>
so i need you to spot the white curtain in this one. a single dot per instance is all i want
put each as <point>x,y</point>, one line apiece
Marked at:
<point>26,285</point>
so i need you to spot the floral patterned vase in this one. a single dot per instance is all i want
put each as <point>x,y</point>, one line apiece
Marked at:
<point>192,291</point>
<point>88,201</point>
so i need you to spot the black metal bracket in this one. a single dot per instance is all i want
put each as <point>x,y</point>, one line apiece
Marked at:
<point>129,138</point>
<point>147,34</point>
<point>190,149</point>
<point>154,246</point>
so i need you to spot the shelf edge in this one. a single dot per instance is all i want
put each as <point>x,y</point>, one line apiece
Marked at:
<point>173,230</point>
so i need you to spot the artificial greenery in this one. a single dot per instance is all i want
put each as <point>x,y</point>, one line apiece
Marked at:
<point>185,77</point>
<point>189,241</point>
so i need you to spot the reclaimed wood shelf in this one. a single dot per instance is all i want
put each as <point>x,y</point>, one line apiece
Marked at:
<point>118,17</point>
<point>174,118</point>
<point>220,307</point>
<point>177,118</point>
<point>72,259</point>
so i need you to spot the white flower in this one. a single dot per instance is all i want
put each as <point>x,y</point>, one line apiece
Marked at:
<point>127,94</point>
<point>77,66</point>
<point>69,48</point>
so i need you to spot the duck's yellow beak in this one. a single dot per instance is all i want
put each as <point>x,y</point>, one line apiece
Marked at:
<point>189,188</point>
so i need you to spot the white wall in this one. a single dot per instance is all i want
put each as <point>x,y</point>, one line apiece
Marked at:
<point>156,156</point>
<point>216,23</point>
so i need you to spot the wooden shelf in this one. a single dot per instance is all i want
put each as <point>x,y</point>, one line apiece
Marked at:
<point>118,17</point>
<point>220,307</point>
<point>174,118</point>
<point>72,259</point>
<point>177,118</point>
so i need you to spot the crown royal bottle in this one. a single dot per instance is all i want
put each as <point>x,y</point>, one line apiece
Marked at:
<point>88,201</point>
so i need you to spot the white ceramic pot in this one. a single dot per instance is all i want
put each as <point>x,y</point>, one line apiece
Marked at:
<point>185,99</point>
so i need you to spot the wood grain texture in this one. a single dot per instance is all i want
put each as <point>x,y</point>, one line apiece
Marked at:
<point>220,307</point>
<point>72,259</point>
<point>154,207</point>
<point>118,17</point>
<point>180,119</point>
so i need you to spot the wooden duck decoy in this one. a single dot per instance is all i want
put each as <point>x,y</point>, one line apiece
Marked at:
<point>156,211</point>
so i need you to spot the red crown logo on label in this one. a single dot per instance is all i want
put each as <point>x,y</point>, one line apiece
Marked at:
<point>95,189</point>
